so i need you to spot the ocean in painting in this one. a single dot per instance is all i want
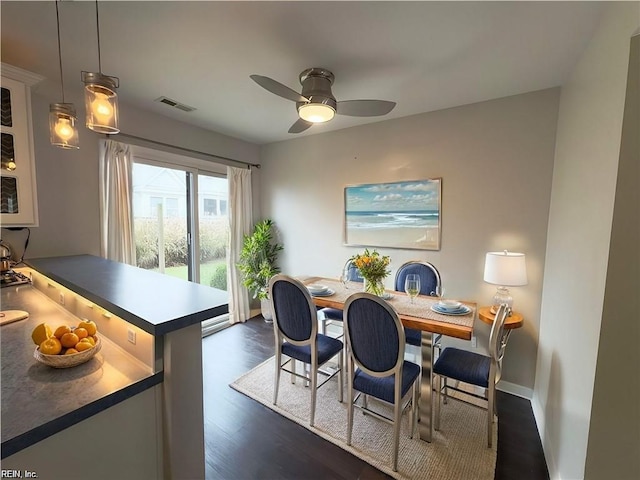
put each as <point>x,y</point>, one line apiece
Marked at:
<point>382,220</point>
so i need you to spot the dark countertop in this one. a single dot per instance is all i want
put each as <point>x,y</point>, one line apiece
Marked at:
<point>39,401</point>
<point>154,302</point>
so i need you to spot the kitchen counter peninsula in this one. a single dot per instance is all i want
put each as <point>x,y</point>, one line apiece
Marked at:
<point>156,303</point>
<point>137,405</point>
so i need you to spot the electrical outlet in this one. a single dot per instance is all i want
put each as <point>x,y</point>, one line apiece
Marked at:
<point>131,336</point>
<point>474,341</point>
<point>61,298</point>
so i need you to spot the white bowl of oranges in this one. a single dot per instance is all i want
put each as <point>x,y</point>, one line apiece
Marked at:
<point>65,346</point>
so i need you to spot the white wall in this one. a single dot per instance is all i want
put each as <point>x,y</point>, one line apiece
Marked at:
<point>582,201</point>
<point>614,431</point>
<point>68,198</point>
<point>496,160</point>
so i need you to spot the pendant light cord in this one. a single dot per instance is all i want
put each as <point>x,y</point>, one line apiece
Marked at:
<point>60,51</point>
<point>98,30</point>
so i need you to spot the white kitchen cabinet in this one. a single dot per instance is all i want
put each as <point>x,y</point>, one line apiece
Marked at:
<point>18,198</point>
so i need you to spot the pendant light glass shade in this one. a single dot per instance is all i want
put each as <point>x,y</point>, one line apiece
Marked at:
<point>62,116</point>
<point>62,126</point>
<point>101,102</point>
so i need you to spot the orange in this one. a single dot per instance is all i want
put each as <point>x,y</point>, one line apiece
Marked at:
<point>69,340</point>
<point>70,351</point>
<point>83,345</point>
<point>89,326</point>
<point>61,330</point>
<point>81,332</point>
<point>41,333</point>
<point>51,346</point>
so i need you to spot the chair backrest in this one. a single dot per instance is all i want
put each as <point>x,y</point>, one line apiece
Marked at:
<point>353,274</point>
<point>497,341</point>
<point>294,314</point>
<point>374,334</point>
<point>429,277</point>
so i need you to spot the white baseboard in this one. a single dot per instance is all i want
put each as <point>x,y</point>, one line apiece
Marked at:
<point>538,414</point>
<point>514,389</point>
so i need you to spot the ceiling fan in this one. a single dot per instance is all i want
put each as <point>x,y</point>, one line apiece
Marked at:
<point>316,103</point>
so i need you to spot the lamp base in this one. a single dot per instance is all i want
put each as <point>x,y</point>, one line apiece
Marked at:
<point>501,296</point>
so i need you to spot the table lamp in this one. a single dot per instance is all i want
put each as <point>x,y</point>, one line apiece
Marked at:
<point>505,269</point>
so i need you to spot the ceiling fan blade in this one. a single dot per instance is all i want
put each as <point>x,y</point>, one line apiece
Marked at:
<point>300,126</point>
<point>364,108</point>
<point>278,88</point>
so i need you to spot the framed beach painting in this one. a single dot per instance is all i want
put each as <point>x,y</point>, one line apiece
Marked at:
<point>395,215</point>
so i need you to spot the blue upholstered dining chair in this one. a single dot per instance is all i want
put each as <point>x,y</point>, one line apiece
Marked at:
<point>475,369</point>
<point>430,284</point>
<point>295,325</point>
<point>375,344</point>
<point>329,314</point>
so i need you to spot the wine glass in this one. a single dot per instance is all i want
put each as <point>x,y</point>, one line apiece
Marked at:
<point>412,286</point>
<point>344,278</point>
<point>439,292</point>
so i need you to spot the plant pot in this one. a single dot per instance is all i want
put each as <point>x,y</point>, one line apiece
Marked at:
<point>265,307</point>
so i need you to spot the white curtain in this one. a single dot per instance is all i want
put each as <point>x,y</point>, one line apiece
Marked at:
<point>240,224</point>
<point>116,207</point>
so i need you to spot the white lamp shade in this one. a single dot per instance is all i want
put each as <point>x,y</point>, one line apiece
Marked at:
<point>505,268</point>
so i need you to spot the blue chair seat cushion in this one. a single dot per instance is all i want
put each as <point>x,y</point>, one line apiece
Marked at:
<point>383,388</point>
<point>468,367</point>
<point>327,348</point>
<point>332,313</point>
<point>413,336</point>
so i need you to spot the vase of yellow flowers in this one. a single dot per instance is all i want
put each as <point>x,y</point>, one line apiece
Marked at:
<point>373,268</point>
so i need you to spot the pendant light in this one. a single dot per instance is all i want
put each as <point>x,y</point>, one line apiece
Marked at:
<point>100,97</point>
<point>62,116</point>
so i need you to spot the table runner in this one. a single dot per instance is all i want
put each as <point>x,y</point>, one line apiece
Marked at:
<point>421,308</point>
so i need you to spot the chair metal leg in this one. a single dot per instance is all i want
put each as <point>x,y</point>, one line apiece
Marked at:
<point>436,422</point>
<point>490,411</point>
<point>414,408</point>
<point>350,400</point>
<point>314,388</point>
<point>446,391</point>
<point>277,376</point>
<point>340,376</point>
<point>397,411</point>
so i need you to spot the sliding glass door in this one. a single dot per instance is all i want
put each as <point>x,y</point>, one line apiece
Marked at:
<point>181,222</point>
<point>161,220</point>
<point>213,228</point>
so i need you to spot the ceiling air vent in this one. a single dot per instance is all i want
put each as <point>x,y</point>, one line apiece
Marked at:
<point>174,104</point>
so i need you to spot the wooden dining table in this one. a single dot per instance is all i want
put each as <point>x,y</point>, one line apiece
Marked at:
<point>417,315</point>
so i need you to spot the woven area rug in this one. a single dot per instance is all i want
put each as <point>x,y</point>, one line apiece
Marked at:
<point>457,451</point>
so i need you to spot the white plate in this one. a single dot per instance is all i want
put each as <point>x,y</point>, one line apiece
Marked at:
<point>317,288</point>
<point>449,305</point>
<point>464,310</point>
<point>326,293</point>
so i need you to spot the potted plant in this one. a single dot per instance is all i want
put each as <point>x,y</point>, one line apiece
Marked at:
<point>257,263</point>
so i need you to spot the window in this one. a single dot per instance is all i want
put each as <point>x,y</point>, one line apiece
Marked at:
<point>176,233</point>
<point>210,206</point>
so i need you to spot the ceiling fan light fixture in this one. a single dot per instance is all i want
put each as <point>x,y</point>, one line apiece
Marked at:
<point>62,126</point>
<point>316,112</point>
<point>101,102</point>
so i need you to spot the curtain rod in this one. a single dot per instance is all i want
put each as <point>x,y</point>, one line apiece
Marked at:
<point>184,149</point>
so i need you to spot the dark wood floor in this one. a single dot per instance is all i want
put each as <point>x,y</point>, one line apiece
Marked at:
<point>245,440</point>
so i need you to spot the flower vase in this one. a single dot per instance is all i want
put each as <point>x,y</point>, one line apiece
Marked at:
<point>374,286</point>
